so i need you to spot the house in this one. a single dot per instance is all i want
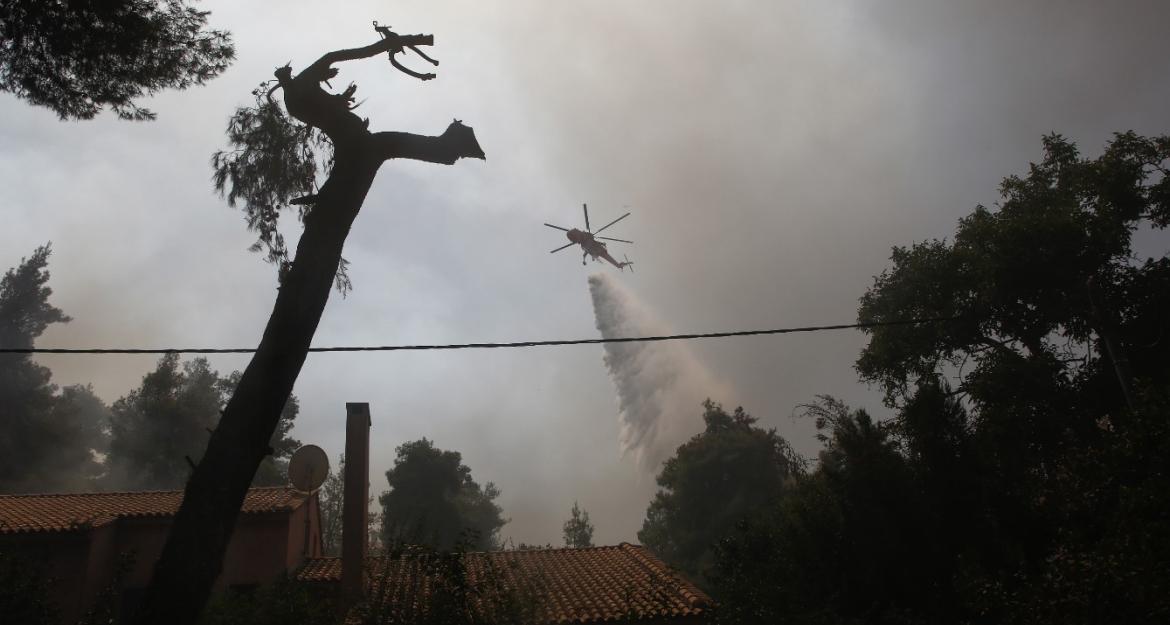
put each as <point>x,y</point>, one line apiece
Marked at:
<point>81,539</point>
<point>86,542</point>
<point>624,584</point>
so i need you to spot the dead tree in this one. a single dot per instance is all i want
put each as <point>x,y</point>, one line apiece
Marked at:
<point>192,558</point>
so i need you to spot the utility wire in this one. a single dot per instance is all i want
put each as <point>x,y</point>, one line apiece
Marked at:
<point>403,348</point>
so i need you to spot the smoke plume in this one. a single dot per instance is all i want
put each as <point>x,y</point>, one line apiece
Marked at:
<point>660,385</point>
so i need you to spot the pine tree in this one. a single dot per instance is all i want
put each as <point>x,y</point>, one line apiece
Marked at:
<point>80,56</point>
<point>578,530</point>
<point>48,439</point>
<point>160,429</point>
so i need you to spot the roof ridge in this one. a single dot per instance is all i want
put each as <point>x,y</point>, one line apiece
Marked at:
<point>100,493</point>
<point>541,549</point>
<point>59,512</point>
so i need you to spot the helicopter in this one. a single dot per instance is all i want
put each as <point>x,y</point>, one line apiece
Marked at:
<point>590,245</point>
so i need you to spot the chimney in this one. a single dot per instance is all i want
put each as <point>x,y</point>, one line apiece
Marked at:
<point>356,502</point>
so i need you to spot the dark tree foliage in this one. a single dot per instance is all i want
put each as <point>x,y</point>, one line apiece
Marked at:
<point>1063,336</point>
<point>578,531</point>
<point>48,438</point>
<point>1017,277</point>
<point>80,431</point>
<point>160,429</point>
<point>731,469</point>
<point>25,592</point>
<point>846,543</point>
<point>889,530</point>
<point>25,311</point>
<point>1104,556</point>
<point>275,161</point>
<point>281,602</point>
<point>1036,489</point>
<point>80,56</point>
<point>433,500</point>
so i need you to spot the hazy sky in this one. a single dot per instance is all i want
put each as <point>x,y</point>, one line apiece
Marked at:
<point>771,153</point>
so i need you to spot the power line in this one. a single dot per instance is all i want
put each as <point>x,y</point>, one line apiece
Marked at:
<point>403,348</point>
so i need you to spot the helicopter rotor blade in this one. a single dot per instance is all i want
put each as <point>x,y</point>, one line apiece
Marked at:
<point>586,209</point>
<point>561,248</point>
<point>557,227</point>
<point>618,240</point>
<point>611,223</point>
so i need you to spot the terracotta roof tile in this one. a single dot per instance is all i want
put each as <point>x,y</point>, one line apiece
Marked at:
<point>70,512</point>
<point>592,585</point>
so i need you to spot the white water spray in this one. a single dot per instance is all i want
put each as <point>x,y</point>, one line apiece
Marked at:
<point>660,385</point>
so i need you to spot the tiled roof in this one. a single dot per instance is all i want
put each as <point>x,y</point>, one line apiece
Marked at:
<point>591,585</point>
<point>67,512</point>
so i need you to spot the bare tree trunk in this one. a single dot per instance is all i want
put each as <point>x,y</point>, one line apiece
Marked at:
<point>192,558</point>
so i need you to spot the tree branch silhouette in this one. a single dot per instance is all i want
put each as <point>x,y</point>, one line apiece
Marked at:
<point>192,558</point>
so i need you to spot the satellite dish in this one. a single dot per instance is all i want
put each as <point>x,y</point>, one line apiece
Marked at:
<point>308,468</point>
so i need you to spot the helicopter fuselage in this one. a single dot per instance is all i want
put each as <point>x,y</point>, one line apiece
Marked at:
<point>588,240</point>
<point>592,247</point>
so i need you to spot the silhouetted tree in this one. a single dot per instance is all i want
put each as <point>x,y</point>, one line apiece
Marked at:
<point>843,545</point>
<point>80,433</point>
<point>433,500</point>
<point>25,311</point>
<point>1017,279</point>
<point>1108,556</point>
<point>48,439</point>
<point>255,173</point>
<point>728,471</point>
<point>578,530</point>
<point>160,429</point>
<point>940,443</point>
<point>1057,350</point>
<point>1034,490</point>
<point>80,56</point>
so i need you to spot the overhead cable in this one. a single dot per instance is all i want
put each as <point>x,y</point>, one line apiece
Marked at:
<point>404,348</point>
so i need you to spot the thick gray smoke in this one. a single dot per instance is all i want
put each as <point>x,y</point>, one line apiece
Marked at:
<point>660,385</point>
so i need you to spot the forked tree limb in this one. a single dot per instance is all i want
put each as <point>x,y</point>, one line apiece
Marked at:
<point>387,45</point>
<point>308,102</point>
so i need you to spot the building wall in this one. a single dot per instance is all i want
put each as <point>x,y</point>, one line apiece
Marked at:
<point>255,554</point>
<point>304,534</point>
<point>81,564</point>
<point>101,562</point>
